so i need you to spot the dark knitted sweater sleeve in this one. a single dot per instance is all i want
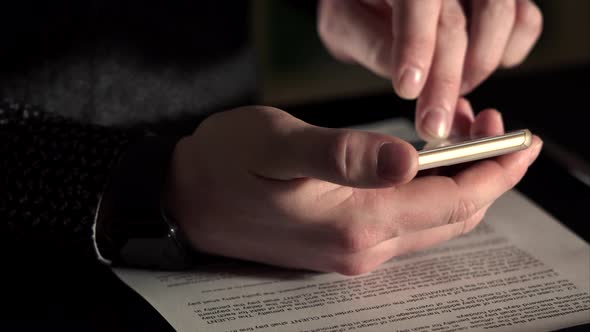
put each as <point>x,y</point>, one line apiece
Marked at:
<point>53,172</point>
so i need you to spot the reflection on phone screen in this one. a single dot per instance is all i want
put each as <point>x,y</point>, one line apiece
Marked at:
<point>423,145</point>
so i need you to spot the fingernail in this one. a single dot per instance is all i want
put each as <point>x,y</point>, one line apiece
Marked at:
<point>434,123</point>
<point>535,152</point>
<point>409,83</point>
<point>392,163</point>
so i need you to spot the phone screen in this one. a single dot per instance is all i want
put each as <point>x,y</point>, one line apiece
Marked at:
<point>420,145</point>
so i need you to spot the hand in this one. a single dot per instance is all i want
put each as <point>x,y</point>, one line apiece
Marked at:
<point>431,49</point>
<point>258,184</point>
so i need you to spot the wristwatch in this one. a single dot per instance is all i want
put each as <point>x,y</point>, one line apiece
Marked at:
<point>133,228</point>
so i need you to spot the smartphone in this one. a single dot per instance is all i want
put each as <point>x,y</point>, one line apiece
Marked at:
<point>456,150</point>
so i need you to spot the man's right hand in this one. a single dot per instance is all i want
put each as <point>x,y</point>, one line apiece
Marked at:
<point>432,50</point>
<point>257,184</point>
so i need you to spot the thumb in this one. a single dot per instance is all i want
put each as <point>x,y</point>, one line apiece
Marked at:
<point>342,156</point>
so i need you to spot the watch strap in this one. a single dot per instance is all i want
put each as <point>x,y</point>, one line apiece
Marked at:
<point>134,229</point>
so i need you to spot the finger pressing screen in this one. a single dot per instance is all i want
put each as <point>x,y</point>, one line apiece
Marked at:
<point>434,113</point>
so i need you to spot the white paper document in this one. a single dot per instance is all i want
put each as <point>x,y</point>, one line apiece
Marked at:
<point>519,270</point>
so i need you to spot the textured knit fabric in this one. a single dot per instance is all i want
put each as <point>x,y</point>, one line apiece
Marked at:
<point>52,174</point>
<point>95,66</point>
<point>132,62</point>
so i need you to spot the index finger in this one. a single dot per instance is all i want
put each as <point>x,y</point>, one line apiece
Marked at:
<point>435,107</point>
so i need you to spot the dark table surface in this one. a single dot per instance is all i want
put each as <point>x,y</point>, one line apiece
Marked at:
<point>60,293</point>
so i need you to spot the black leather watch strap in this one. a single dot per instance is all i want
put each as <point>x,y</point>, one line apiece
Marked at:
<point>132,229</point>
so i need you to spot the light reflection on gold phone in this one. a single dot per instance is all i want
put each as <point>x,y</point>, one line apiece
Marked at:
<point>452,151</point>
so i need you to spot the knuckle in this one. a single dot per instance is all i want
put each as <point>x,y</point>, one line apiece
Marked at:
<point>463,210</point>
<point>354,238</point>
<point>267,119</point>
<point>378,52</point>
<point>420,43</point>
<point>269,110</point>
<point>499,8</point>
<point>271,115</point>
<point>254,111</point>
<point>487,65</point>
<point>448,83</point>
<point>414,45</point>
<point>513,60</point>
<point>480,68</point>
<point>324,29</point>
<point>530,17</point>
<point>328,23</point>
<point>511,175</point>
<point>472,222</point>
<point>469,226</point>
<point>339,153</point>
<point>213,125</point>
<point>509,61</point>
<point>512,178</point>
<point>453,20</point>
<point>353,266</point>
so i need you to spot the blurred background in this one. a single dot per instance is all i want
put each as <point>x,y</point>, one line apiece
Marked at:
<point>295,67</point>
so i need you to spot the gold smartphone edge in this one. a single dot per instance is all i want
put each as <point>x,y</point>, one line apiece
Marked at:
<point>474,150</point>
